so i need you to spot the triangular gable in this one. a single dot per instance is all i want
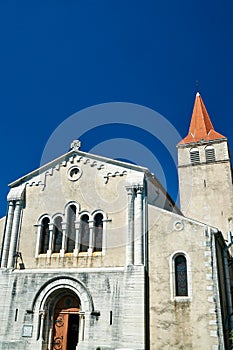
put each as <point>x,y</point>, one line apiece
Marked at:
<point>37,175</point>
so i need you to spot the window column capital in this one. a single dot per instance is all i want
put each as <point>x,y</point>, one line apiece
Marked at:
<point>130,190</point>
<point>64,225</point>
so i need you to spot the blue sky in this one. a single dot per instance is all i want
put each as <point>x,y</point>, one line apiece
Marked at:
<point>59,57</point>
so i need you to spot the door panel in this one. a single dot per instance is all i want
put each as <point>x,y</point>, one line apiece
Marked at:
<point>60,332</point>
<point>66,324</point>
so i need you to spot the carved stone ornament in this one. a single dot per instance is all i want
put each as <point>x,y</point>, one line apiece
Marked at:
<point>75,145</point>
<point>178,225</point>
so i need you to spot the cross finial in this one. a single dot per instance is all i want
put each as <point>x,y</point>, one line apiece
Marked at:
<point>75,145</point>
<point>197,85</point>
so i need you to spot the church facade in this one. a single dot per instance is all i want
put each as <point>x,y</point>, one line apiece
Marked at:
<point>96,255</point>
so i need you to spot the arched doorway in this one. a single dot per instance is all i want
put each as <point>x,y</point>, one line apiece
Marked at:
<point>46,301</point>
<point>66,323</point>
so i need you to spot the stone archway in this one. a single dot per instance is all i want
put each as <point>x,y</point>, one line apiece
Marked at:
<point>48,299</point>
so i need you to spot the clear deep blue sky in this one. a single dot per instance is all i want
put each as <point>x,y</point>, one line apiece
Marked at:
<point>58,57</point>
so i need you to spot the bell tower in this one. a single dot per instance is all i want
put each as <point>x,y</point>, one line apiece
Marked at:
<point>205,174</point>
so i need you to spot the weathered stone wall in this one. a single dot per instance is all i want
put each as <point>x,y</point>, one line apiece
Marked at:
<point>206,192</point>
<point>223,274</point>
<point>91,192</point>
<point>119,290</point>
<point>182,322</point>
<point>101,280</point>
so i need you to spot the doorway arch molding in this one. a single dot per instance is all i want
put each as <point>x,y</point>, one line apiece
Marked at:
<point>61,283</point>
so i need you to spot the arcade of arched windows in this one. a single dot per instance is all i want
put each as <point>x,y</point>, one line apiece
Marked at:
<point>75,232</point>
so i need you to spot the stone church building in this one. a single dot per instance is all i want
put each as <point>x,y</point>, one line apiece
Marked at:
<point>96,255</point>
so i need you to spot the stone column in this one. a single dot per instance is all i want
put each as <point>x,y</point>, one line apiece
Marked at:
<point>38,240</point>
<point>77,239</point>
<point>64,239</point>
<point>81,327</point>
<point>104,237</point>
<point>91,237</point>
<point>7,237</point>
<point>42,319</point>
<point>130,232</point>
<point>14,234</point>
<point>138,228</point>
<point>49,251</point>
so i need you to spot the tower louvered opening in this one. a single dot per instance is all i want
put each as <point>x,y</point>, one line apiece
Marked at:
<point>210,154</point>
<point>194,156</point>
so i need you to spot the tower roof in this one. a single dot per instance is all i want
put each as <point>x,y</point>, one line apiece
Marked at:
<point>201,127</point>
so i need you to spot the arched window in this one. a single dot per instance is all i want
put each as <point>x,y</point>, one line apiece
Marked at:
<point>44,245</point>
<point>98,232</point>
<point>84,233</point>
<point>57,235</point>
<point>210,154</point>
<point>181,278</point>
<point>194,155</point>
<point>71,217</point>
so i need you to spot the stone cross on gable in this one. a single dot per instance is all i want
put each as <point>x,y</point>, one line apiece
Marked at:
<point>75,145</point>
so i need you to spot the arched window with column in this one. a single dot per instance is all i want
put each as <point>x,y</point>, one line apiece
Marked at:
<point>84,233</point>
<point>44,236</point>
<point>98,232</point>
<point>71,233</point>
<point>57,234</point>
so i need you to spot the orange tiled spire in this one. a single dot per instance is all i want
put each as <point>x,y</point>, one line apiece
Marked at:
<point>201,127</point>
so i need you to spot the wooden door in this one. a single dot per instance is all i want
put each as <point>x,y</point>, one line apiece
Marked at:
<point>66,324</point>
<point>60,330</point>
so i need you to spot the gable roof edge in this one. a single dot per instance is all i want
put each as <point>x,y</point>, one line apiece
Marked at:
<point>69,154</point>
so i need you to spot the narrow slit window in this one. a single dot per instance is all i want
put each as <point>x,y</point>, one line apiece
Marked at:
<point>181,279</point>
<point>110,318</point>
<point>16,314</point>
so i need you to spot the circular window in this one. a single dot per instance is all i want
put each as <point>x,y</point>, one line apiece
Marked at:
<point>178,225</point>
<point>74,173</point>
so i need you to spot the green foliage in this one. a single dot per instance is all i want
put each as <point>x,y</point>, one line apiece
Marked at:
<point>231,338</point>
